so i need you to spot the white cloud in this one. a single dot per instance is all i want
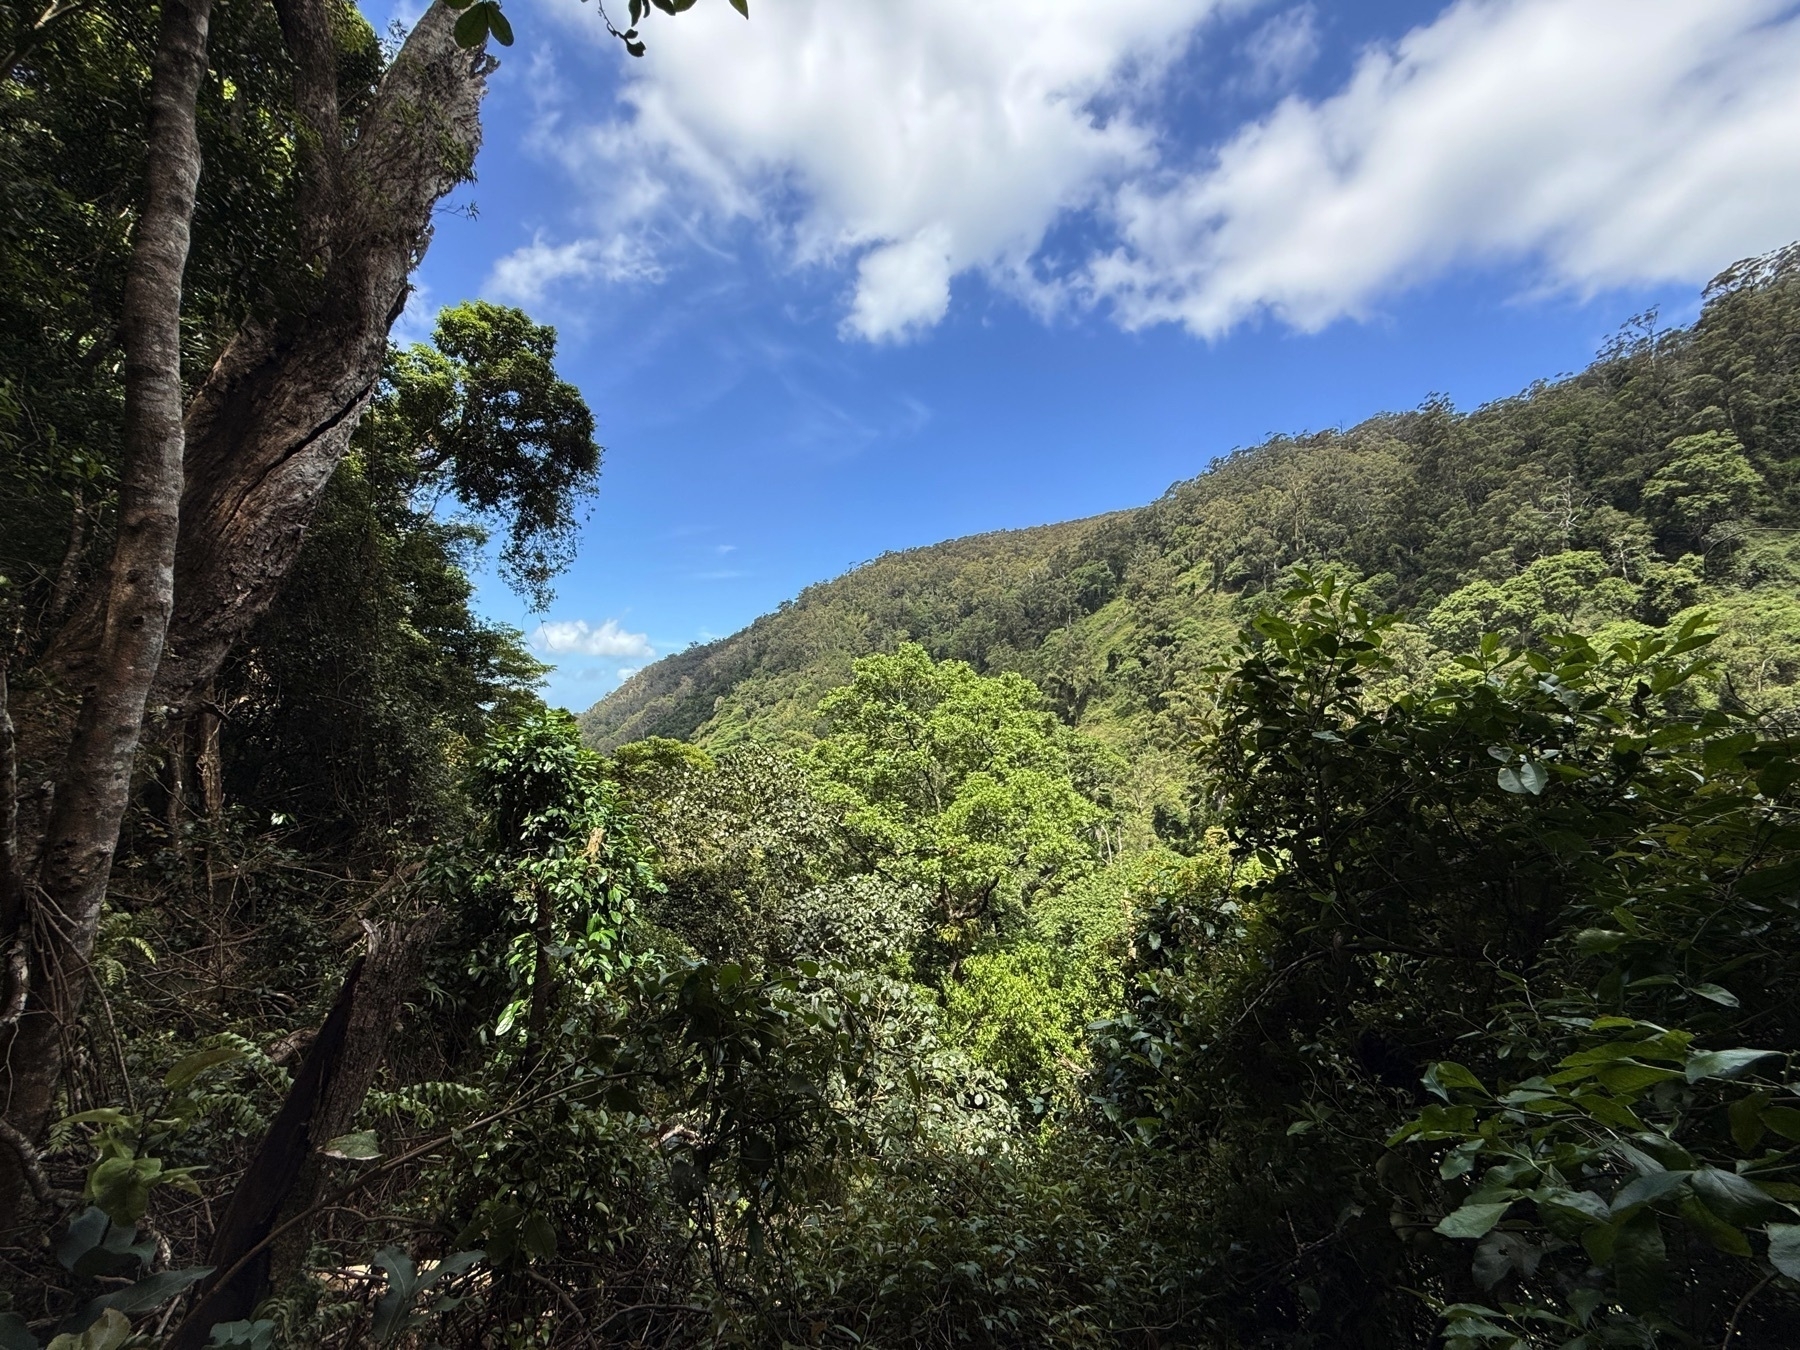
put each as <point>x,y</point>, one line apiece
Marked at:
<point>918,140</point>
<point>575,635</point>
<point>1281,50</point>
<point>528,274</point>
<point>1602,142</point>
<point>1593,142</point>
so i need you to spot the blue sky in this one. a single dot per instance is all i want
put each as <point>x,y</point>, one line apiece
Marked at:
<point>864,274</point>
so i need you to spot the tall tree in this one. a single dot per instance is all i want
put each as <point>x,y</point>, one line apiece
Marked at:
<point>261,437</point>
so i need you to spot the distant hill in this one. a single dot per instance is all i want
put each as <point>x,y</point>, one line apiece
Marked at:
<point>1666,475</point>
<point>768,676</point>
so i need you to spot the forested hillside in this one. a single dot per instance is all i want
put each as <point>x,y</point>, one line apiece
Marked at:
<point>1662,477</point>
<point>1118,935</point>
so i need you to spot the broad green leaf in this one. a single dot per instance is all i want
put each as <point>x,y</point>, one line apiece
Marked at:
<point>472,26</point>
<point>198,1063</point>
<point>1473,1221</point>
<point>1784,1120</point>
<point>1722,1235</point>
<point>362,1146</point>
<point>14,1334</point>
<point>1737,1199</point>
<point>1609,1111</point>
<point>1450,1075</point>
<point>152,1291</point>
<point>111,1330</point>
<point>1723,1063</point>
<point>1583,1203</point>
<point>1717,994</point>
<point>121,1187</point>
<point>499,26</point>
<point>1647,1188</point>
<point>1629,1079</point>
<point>1784,1248</point>
<point>1745,1115</point>
<point>742,7</point>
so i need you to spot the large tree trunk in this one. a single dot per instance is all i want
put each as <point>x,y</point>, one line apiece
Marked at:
<point>264,433</point>
<point>75,855</point>
<point>274,418</point>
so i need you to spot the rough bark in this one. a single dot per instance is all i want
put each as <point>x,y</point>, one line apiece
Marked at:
<point>75,860</point>
<point>274,418</point>
<point>15,977</point>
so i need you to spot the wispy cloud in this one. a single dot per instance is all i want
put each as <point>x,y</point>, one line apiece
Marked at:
<point>1280,51</point>
<point>576,636</point>
<point>528,274</point>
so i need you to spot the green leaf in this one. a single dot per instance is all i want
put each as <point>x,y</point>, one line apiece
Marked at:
<point>1723,1063</point>
<point>152,1291</point>
<point>198,1063</point>
<point>1584,1204</point>
<point>472,27</point>
<point>1746,1120</point>
<point>537,1237</point>
<point>1446,1075</point>
<point>1717,994</point>
<point>1784,1120</point>
<point>742,7</point>
<point>1784,1248</point>
<point>1609,1111</point>
<point>109,1332</point>
<point>1630,1080</point>
<point>1646,1189</point>
<point>1737,1199</point>
<point>362,1146</point>
<point>14,1334</point>
<point>499,26</point>
<point>1592,941</point>
<point>1472,1221</point>
<point>1724,1236</point>
<point>121,1187</point>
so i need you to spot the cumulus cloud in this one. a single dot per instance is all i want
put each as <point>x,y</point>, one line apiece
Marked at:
<point>572,636</point>
<point>1601,142</point>
<point>915,141</point>
<point>1593,142</point>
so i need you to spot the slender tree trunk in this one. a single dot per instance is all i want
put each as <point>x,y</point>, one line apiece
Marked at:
<point>543,974</point>
<point>94,784</point>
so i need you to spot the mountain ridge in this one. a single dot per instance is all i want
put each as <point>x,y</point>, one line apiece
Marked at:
<point>1663,476</point>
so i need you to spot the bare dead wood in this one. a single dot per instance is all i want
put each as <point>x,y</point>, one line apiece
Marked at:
<point>254,1206</point>
<point>285,1179</point>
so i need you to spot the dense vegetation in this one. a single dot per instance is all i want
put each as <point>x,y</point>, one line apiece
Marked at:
<point>1354,901</point>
